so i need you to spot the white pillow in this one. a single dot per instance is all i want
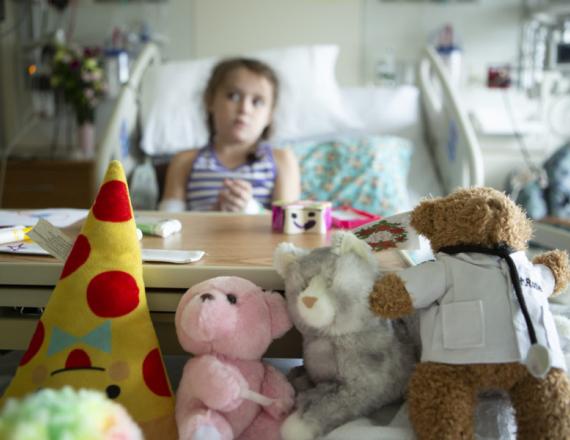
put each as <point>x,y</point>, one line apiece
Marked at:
<point>387,110</point>
<point>171,108</point>
<point>310,102</point>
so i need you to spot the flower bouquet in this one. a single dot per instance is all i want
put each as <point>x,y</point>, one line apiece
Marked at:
<point>78,75</point>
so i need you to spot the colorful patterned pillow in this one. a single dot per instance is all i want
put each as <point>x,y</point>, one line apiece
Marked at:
<point>368,173</point>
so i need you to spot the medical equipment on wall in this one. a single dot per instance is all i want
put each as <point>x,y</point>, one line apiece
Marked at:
<point>545,62</point>
<point>545,77</point>
<point>545,43</point>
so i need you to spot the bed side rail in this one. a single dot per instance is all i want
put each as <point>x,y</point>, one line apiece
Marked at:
<point>449,131</point>
<point>120,132</point>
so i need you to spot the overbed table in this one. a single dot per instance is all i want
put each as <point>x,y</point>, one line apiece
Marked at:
<point>240,245</point>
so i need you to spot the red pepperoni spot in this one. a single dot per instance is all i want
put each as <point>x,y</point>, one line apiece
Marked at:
<point>112,203</point>
<point>78,255</point>
<point>112,294</point>
<point>78,359</point>
<point>35,344</point>
<point>154,375</point>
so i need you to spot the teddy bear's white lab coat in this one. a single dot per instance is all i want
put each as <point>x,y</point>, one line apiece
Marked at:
<point>469,312</point>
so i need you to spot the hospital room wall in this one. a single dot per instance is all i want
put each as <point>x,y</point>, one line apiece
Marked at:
<point>197,28</point>
<point>247,25</point>
<point>365,30</point>
<point>488,31</point>
<point>170,21</point>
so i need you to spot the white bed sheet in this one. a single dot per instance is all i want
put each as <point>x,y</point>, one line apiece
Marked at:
<point>494,421</point>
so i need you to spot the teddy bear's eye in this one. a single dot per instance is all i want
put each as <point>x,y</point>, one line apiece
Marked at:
<point>294,215</point>
<point>232,299</point>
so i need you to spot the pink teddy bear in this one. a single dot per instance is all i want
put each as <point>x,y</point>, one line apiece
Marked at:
<point>226,391</point>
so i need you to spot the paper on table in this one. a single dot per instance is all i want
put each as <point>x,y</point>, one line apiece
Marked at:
<point>25,248</point>
<point>49,240</point>
<point>171,256</point>
<point>58,217</point>
<point>149,255</point>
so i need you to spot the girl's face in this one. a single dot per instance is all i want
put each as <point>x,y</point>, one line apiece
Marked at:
<point>242,107</point>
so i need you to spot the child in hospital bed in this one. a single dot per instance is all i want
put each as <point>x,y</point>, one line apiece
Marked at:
<point>237,171</point>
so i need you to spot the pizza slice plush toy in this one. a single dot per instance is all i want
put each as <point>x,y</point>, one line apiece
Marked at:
<point>96,330</point>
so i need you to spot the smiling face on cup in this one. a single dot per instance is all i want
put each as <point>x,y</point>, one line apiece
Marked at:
<point>302,216</point>
<point>301,219</point>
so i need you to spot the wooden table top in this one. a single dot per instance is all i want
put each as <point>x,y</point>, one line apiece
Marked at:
<point>232,239</point>
<point>234,244</point>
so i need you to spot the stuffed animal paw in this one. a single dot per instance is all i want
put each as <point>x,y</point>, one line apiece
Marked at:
<point>389,297</point>
<point>205,425</point>
<point>296,428</point>
<point>557,261</point>
<point>217,384</point>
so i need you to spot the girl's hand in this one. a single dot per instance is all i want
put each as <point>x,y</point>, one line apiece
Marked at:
<point>235,195</point>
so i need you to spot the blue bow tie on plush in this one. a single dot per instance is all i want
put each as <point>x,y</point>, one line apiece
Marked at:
<point>99,338</point>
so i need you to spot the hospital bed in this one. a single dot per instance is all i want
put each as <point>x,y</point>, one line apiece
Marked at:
<point>146,122</point>
<point>426,120</point>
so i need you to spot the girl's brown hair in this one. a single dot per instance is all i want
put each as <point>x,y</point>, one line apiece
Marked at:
<point>218,76</point>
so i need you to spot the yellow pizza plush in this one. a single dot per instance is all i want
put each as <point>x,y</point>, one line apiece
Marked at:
<point>96,330</point>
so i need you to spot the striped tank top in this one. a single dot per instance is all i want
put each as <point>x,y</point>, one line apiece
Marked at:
<point>207,176</point>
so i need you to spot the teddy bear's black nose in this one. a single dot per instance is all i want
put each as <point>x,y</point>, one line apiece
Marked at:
<point>206,297</point>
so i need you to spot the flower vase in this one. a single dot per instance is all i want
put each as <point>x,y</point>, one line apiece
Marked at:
<point>86,140</point>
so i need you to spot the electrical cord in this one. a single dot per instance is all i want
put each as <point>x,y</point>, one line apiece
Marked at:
<point>558,116</point>
<point>518,135</point>
<point>535,172</point>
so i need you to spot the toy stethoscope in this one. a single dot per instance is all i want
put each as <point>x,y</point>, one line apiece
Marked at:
<point>538,360</point>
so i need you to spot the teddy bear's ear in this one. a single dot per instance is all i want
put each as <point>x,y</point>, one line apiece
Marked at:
<point>344,242</point>
<point>422,217</point>
<point>284,255</point>
<point>280,321</point>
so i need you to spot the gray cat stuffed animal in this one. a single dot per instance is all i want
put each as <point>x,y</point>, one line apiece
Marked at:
<point>354,362</point>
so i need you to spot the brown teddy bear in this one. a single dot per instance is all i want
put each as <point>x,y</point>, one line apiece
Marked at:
<point>485,321</point>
